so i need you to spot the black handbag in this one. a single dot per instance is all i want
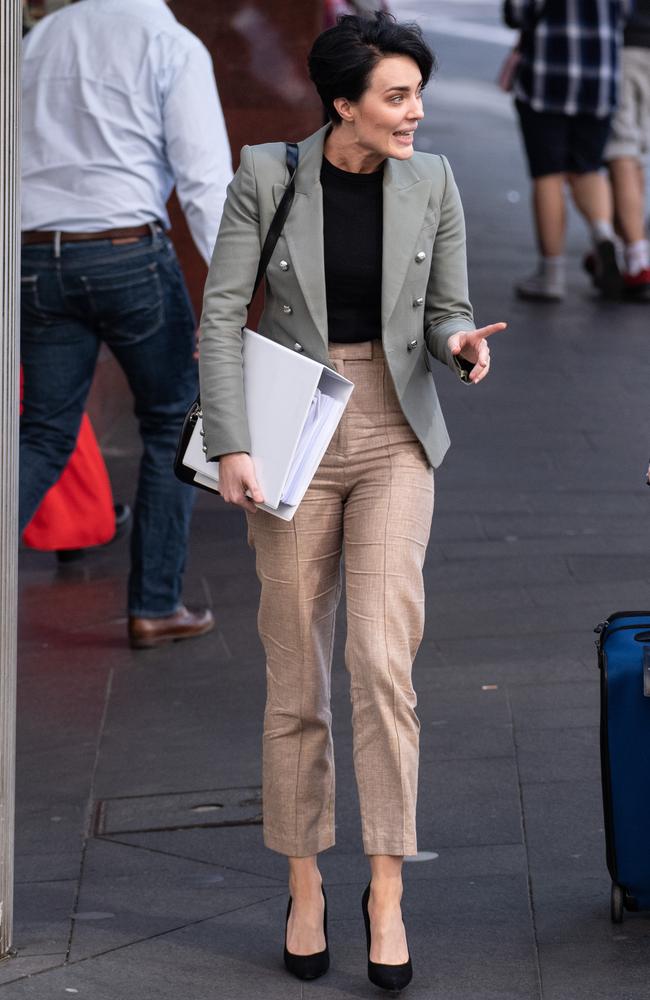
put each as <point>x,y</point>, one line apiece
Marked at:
<point>194,414</point>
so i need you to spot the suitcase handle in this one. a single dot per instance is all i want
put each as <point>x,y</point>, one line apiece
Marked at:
<point>642,637</point>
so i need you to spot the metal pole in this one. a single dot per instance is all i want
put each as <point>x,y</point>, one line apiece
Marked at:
<point>10,39</point>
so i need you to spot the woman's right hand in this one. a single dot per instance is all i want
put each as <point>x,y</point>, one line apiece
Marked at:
<point>236,477</point>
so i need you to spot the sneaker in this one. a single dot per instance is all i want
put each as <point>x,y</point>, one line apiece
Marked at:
<point>637,286</point>
<point>606,274</point>
<point>589,264</point>
<point>540,287</point>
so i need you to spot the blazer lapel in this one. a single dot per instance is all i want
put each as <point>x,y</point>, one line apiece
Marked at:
<point>303,229</point>
<point>405,202</point>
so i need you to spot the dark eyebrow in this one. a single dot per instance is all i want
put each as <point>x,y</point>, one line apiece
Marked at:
<point>403,90</point>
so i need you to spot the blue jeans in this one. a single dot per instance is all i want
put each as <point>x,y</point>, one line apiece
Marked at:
<point>132,297</point>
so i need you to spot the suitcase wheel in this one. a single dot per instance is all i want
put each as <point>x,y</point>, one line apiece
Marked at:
<point>617,903</point>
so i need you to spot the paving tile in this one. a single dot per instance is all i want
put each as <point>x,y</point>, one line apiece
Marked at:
<point>461,723</point>
<point>567,754</point>
<point>239,850</point>
<point>441,602</point>
<point>547,501</point>
<point>582,954</point>
<point>609,567</point>
<point>468,937</point>
<point>209,847</point>
<point>554,706</point>
<point>564,828</point>
<point>60,707</point>
<point>496,958</point>
<point>446,575</point>
<point>485,861</point>
<point>613,595</point>
<point>489,666</point>
<point>470,620</point>
<point>162,718</point>
<point>43,911</point>
<point>574,548</point>
<point>129,895</point>
<point>508,651</point>
<point>470,802</point>
<point>451,525</point>
<point>546,526</point>
<point>237,954</point>
<point>13,970</point>
<point>460,708</point>
<point>439,742</point>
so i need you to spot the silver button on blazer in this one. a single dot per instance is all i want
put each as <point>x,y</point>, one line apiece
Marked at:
<point>424,259</point>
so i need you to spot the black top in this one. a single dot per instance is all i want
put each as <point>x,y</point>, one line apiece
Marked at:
<point>352,233</point>
<point>637,29</point>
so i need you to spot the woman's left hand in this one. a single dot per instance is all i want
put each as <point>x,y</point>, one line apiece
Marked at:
<point>472,346</point>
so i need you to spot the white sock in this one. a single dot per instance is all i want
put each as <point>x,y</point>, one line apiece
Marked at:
<point>553,268</point>
<point>601,230</point>
<point>637,256</point>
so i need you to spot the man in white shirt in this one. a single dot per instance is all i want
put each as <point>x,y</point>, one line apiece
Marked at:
<point>119,106</point>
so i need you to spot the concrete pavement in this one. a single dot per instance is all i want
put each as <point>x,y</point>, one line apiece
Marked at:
<point>131,882</point>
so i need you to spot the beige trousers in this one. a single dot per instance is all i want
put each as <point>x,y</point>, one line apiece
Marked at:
<point>371,501</point>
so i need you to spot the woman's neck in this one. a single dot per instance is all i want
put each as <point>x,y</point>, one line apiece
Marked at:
<point>344,152</point>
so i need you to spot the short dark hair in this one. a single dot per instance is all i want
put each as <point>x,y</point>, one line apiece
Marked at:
<point>343,57</point>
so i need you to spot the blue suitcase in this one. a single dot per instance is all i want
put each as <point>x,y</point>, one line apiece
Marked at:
<point>624,660</point>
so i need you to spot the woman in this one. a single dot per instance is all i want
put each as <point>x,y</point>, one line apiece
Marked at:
<point>369,272</point>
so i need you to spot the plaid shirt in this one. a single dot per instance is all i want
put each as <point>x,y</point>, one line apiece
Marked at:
<point>570,56</point>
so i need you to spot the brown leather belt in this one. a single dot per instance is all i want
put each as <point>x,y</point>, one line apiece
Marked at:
<point>49,235</point>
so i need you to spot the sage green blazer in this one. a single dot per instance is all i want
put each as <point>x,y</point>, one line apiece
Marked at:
<point>424,284</point>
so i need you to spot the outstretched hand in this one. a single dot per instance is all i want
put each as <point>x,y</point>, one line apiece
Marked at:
<point>473,347</point>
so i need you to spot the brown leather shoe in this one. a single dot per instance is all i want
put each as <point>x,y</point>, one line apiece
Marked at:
<point>146,633</point>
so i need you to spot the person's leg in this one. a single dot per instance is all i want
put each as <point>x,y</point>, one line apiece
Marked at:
<point>549,212</point>
<point>388,944</point>
<point>58,355</point>
<point>305,934</point>
<point>545,139</point>
<point>628,185</point>
<point>592,197</point>
<point>298,565</point>
<point>624,152</point>
<point>145,317</point>
<point>387,523</point>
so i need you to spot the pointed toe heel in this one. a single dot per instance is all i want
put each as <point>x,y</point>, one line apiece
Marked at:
<point>307,966</point>
<point>393,978</point>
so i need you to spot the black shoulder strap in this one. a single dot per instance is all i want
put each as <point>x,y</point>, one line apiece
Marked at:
<point>280,216</point>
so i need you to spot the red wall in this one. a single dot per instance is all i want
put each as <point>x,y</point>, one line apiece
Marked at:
<point>259,48</point>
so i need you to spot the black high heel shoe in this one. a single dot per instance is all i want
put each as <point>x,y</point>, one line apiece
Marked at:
<point>388,977</point>
<point>307,966</point>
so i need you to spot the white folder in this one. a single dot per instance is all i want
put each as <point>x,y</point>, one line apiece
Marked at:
<point>293,405</point>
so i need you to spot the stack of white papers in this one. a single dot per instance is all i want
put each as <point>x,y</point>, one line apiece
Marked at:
<point>293,406</point>
<point>324,415</point>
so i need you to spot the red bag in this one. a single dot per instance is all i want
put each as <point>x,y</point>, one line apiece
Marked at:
<point>77,512</point>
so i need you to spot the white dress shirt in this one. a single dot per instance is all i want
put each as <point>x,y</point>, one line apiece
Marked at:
<point>119,105</point>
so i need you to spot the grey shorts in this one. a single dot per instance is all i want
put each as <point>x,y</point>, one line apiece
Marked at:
<point>630,134</point>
